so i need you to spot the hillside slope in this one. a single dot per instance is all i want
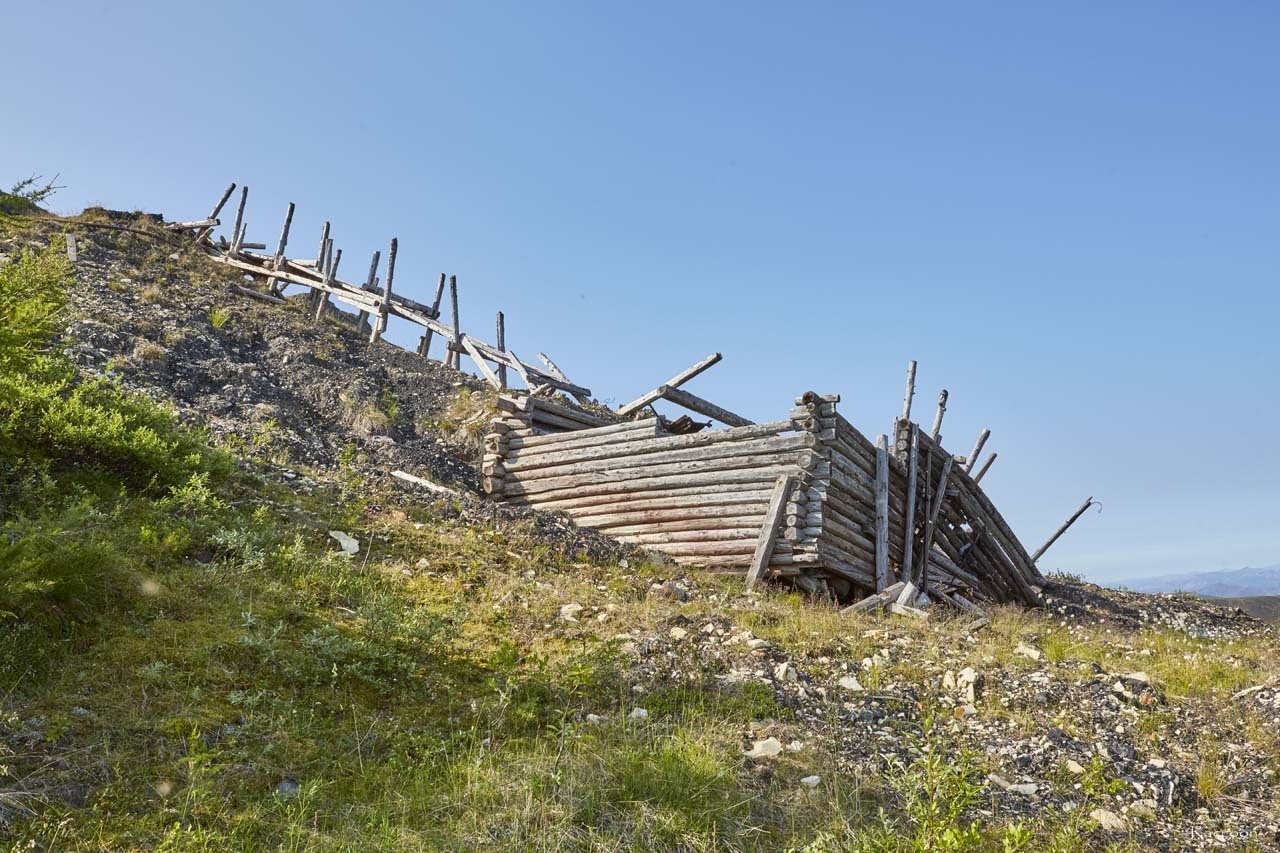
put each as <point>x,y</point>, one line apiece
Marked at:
<point>192,662</point>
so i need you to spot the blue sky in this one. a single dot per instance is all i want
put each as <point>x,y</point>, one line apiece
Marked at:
<point>1068,215</point>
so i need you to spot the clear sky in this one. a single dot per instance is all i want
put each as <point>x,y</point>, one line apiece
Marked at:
<point>1068,215</point>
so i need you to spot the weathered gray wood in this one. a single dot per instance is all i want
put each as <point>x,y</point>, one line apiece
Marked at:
<point>424,346</point>
<point>456,344</point>
<point>883,577</point>
<point>674,382</point>
<point>985,466</point>
<point>1061,530</point>
<point>911,391</point>
<point>73,253</point>
<point>278,258</point>
<point>909,524</point>
<point>769,529</point>
<point>217,208</point>
<point>322,253</point>
<point>702,407</point>
<point>384,307</point>
<point>743,470</point>
<point>937,418</point>
<point>489,375</point>
<point>502,345</point>
<point>690,455</point>
<point>977,449</point>
<point>236,229</point>
<point>939,495</point>
<point>659,496</point>
<point>519,369</point>
<point>616,432</point>
<point>370,284</point>
<point>525,460</point>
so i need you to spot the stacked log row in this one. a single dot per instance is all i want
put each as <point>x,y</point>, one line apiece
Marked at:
<point>973,551</point>
<point>701,498</point>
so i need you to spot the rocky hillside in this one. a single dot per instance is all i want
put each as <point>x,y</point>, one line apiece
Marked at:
<point>193,658</point>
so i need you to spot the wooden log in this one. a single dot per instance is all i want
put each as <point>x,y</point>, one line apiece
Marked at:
<point>330,273</point>
<point>743,547</point>
<point>935,432</point>
<point>911,391</point>
<point>656,497</point>
<point>502,345</point>
<point>926,548</point>
<point>542,458</point>
<point>752,471</point>
<point>236,234</point>
<point>580,415</point>
<point>702,407</point>
<point>909,522</point>
<point>557,373</point>
<point>217,208</point>
<point>256,294</point>
<point>370,283</point>
<point>454,353</point>
<point>384,307</point>
<point>426,484</point>
<point>617,432</point>
<point>768,535</point>
<point>681,537</point>
<point>1061,530</point>
<point>280,246</point>
<point>604,517</point>
<point>883,577</point>
<point>322,253</point>
<point>424,345</point>
<point>674,382</point>
<point>549,419</point>
<point>982,472</point>
<point>977,449</point>
<point>489,375</point>
<point>686,454</point>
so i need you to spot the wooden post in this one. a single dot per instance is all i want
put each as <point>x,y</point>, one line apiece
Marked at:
<point>937,419</point>
<point>674,382</point>
<point>769,530</point>
<point>883,578</point>
<point>330,273</point>
<point>559,374</point>
<point>455,350</point>
<point>369,284</point>
<point>502,345</point>
<point>909,522</point>
<point>977,449</point>
<point>380,322</point>
<point>938,496</point>
<point>911,391</point>
<point>284,241</point>
<point>217,208</point>
<point>985,465</point>
<point>235,231</point>
<point>1061,530</point>
<point>324,246</point>
<point>424,346</point>
<point>703,407</point>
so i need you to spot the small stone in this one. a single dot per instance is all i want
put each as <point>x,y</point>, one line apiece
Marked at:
<point>639,714</point>
<point>1145,808</point>
<point>948,680</point>
<point>595,719</point>
<point>756,643</point>
<point>785,672</point>
<point>678,633</point>
<point>349,544</point>
<point>287,788</point>
<point>1109,820</point>
<point>848,682</point>
<point>1074,766</point>
<point>569,612</point>
<point>811,781</point>
<point>1139,676</point>
<point>1027,651</point>
<point>767,748</point>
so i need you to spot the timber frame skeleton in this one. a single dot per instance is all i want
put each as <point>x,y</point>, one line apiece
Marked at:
<point>897,523</point>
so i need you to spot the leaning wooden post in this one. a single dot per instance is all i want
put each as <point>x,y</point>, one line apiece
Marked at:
<point>330,273</point>
<point>502,347</point>
<point>278,258</point>
<point>235,230</point>
<point>977,449</point>
<point>217,208</point>
<point>937,418</point>
<point>324,246</point>
<point>931,523</point>
<point>883,577</point>
<point>455,358</point>
<point>911,391</point>
<point>769,530</point>
<point>380,322</point>
<point>369,286</point>
<point>424,345</point>
<point>985,466</point>
<point>909,523</point>
<point>1061,530</point>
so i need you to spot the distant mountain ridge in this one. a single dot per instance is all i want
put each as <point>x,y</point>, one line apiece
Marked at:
<point>1225,583</point>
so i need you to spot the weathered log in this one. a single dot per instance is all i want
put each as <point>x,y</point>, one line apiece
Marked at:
<point>674,382</point>
<point>656,496</point>
<point>751,472</point>
<point>977,449</point>
<point>384,307</point>
<point>911,391</point>
<point>1061,530</point>
<point>702,407</point>
<point>529,445</point>
<point>982,472</point>
<point>883,578</point>
<point>909,522</point>
<point>768,535</point>
<point>939,495</point>
<point>236,229</point>
<point>424,345</point>
<point>935,432</point>
<point>526,461</point>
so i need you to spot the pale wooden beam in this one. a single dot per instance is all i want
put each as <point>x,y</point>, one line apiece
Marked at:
<point>702,407</point>
<point>674,382</point>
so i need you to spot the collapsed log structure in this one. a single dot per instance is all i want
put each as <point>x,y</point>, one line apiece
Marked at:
<point>808,499</point>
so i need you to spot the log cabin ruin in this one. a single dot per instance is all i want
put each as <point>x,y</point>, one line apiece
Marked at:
<point>896,523</point>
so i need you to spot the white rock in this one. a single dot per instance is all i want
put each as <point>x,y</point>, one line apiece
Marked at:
<point>595,719</point>
<point>811,781</point>
<point>349,544</point>
<point>1145,808</point>
<point>639,714</point>
<point>767,748</point>
<point>1139,676</point>
<point>967,676</point>
<point>678,633</point>
<point>948,680</point>
<point>1109,820</point>
<point>1027,651</point>
<point>757,643</point>
<point>569,612</point>
<point>1074,766</point>
<point>784,672</point>
<point>848,682</point>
